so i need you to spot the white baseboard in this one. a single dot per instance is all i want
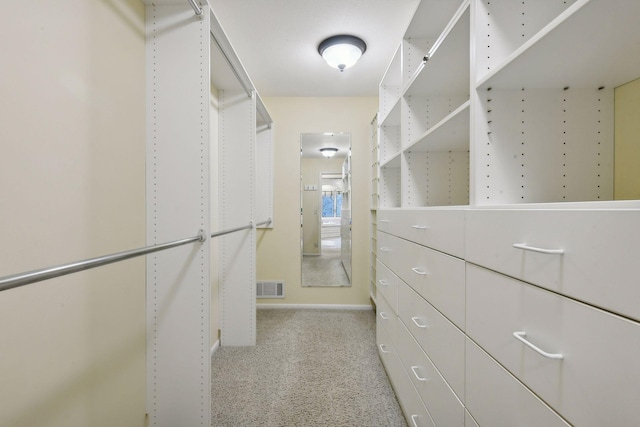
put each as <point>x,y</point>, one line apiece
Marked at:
<point>215,347</point>
<point>362,307</point>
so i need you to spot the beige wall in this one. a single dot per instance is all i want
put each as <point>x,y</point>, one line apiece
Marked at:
<point>627,141</point>
<point>279,249</point>
<point>311,208</point>
<point>72,186</point>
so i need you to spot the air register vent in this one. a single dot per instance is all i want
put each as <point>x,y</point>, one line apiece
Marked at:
<point>270,289</point>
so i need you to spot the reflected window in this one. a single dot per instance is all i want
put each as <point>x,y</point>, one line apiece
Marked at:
<point>331,204</point>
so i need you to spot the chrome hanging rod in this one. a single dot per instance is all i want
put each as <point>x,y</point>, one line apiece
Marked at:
<point>21,279</point>
<point>196,7</point>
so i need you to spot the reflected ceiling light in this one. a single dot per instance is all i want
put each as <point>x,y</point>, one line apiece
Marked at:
<point>328,152</point>
<point>342,51</point>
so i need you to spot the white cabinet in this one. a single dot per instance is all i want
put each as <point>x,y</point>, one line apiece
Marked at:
<point>496,212</point>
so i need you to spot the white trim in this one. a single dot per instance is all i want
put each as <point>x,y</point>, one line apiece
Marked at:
<point>215,347</point>
<point>362,307</point>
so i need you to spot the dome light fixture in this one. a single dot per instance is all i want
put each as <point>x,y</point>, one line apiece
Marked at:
<point>328,152</point>
<point>342,51</point>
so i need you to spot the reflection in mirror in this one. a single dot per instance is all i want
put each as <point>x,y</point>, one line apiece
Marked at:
<point>325,211</point>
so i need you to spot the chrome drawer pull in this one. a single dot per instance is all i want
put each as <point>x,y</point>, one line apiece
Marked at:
<point>383,282</point>
<point>415,372</point>
<point>520,337</point>
<point>525,247</point>
<point>384,249</point>
<point>413,420</point>
<point>384,315</point>
<point>382,348</point>
<point>415,320</point>
<point>418,271</point>
<point>419,227</point>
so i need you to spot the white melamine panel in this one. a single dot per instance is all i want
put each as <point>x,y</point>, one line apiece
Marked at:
<point>550,145</point>
<point>178,203</point>
<point>497,399</point>
<point>438,337</point>
<point>437,277</point>
<point>597,37</point>
<point>504,26</point>
<point>435,178</point>
<point>441,402</point>
<point>441,229</point>
<point>237,201</point>
<point>387,285</point>
<point>264,175</point>
<point>599,264</point>
<point>596,383</point>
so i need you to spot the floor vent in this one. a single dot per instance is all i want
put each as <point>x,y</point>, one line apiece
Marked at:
<point>270,289</point>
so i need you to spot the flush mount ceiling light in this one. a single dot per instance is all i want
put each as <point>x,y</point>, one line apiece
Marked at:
<point>342,51</point>
<point>328,152</point>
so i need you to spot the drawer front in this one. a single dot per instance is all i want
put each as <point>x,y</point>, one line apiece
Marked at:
<point>438,277</point>
<point>497,399</point>
<point>600,260</point>
<point>441,229</point>
<point>596,383</point>
<point>441,402</point>
<point>438,337</point>
<point>387,319</point>
<point>387,285</point>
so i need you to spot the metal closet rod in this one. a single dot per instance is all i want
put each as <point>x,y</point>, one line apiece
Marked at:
<point>33,276</point>
<point>21,279</point>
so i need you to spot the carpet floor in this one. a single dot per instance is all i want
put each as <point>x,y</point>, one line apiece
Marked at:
<point>309,368</point>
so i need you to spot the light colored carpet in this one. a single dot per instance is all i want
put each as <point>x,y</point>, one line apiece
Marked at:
<point>309,368</point>
<point>324,270</point>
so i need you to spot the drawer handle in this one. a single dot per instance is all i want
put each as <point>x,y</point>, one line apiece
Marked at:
<point>384,315</point>
<point>414,417</point>
<point>526,247</point>
<point>383,282</point>
<point>520,337</point>
<point>382,348</point>
<point>415,372</point>
<point>419,227</point>
<point>384,249</point>
<point>419,325</point>
<point>419,271</point>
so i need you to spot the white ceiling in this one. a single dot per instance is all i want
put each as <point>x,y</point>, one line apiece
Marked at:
<point>277,42</point>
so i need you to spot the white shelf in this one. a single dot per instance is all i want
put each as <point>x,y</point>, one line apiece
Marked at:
<point>447,70</point>
<point>591,44</point>
<point>450,134</point>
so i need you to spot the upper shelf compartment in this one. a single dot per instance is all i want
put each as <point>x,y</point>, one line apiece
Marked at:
<point>592,43</point>
<point>447,70</point>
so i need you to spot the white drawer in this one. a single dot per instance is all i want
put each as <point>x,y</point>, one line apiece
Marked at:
<point>439,338</point>
<point>497,399</point>
<point>441,229</point>
<point>387,319</point>
<point>413,408</point>
<point>598,380</point>
<point>438,277</point>
<point>600,260</point>
<point>441,402</point>
<point>387,285</point>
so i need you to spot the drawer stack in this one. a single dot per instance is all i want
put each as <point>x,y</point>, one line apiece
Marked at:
<point>420,288</point>
<point>524,317</point>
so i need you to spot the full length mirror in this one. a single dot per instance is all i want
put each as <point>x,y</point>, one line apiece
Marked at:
<point>325,211</point>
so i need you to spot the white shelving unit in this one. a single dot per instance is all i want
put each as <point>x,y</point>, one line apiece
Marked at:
<point>496,217</point>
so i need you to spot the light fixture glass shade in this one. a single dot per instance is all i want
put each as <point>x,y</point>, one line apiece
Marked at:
<point>328,152</point>
<point>342,51</point>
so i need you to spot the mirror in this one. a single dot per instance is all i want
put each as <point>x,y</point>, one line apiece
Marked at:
<point>325,208</point>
